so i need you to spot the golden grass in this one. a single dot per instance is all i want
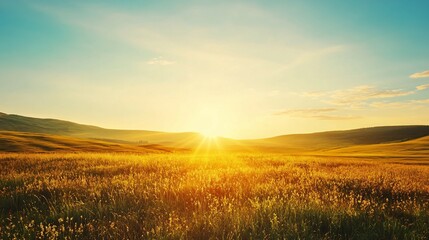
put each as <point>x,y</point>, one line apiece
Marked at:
<point>217,196</point>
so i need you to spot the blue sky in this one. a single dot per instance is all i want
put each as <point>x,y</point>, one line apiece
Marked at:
<point>240,69</point>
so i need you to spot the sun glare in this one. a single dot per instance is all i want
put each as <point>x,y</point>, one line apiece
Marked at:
<point>210,133</point>
<point>208,123</point>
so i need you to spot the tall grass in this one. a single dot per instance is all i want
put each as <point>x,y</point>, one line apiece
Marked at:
<point>184,196</point>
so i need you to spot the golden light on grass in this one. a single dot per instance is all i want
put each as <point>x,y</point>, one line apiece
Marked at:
<point>212,196</point>
<point>209,144</point>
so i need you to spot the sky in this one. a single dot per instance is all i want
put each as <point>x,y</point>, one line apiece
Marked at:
<point>240,69</point>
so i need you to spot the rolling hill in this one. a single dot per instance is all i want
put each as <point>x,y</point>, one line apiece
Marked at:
<point>35,134</point>
<point>11,122</point>
<point>330,140</point>
<point>41,142</point>
<point>415,147</point>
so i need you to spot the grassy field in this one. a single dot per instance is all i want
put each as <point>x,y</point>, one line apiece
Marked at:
<point>235,196</point>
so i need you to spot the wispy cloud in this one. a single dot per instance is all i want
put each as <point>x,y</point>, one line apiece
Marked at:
<point>160,61</point>
<point>305,111</point>
<point>401,105</point>
<point>312,55</point>
<point>356,96</point>
<point>336,117</point>
<point>315,113</point>
<point>422,87</point>
<point>421,101</point>
<point>389,105</point>
<point>423,74</point>
<point>202,46</point>
<point>314,94</point>
<point>360,94</point>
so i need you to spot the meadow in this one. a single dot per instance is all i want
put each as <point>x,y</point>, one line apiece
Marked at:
<point>214,196</point>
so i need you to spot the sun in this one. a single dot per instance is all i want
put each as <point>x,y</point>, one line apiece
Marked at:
<point>210,133</point>
<point>209,124</point>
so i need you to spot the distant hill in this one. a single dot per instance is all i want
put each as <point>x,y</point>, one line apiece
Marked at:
<point>415,147</point>
<point>41,142</point>
<point>360,136</point>
<point>60,133</point>
<point>324,141</point>
<point>11,122</point>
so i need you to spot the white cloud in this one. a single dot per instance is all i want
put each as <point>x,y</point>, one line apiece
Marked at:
<point>400,105</point>
<point>306,111</point>
<point>390,105</point>
<point>335,117</point>
<point>356,96</point>
<point>421,101</point>
<point>315,113</point>
<point>422,87</point>
<point>361,94</point>
<point>312,55</point>
<point>195,44</point>
<point>159,61</point>
<point>423,74</point>
<point>314,94</point>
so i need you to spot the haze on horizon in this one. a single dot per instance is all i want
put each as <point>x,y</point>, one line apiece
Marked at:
<point>241,69</point>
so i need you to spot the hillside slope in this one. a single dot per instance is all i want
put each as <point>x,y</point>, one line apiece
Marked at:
<point>339,139</point>
<point>415,147</point>
<point>11,122</point>
<point>348,141</point>
<point>40,142</point>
